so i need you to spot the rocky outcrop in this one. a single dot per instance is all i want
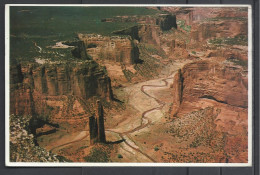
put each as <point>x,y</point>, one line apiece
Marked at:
<point>212,98</point>
<point>208,80</point>
<point>132,31</point>
<point>96,125</point>
<point>167,22</point>
<point>22,146</point>
<point>149,31</point>
<point>164,21</point>
<point>191,15</point>
<point>203,23</point>
<point>79,50</point>
<point>84,79</point>
<point>143,33</point>
<point>217,29</point>
<point>16,75</point>
<point>178,90</point>
<point>114,48</point>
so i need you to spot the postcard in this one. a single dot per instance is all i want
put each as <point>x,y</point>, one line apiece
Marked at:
<point>128,85</point>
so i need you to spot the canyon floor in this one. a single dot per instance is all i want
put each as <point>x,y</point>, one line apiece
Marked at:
<point>136,132</point>
<point>141,132</point>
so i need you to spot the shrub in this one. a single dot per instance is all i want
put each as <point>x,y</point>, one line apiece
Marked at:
<point>119,156</point>
<point>193,52</point>
<point>97,154</point>
<point>156,148</point>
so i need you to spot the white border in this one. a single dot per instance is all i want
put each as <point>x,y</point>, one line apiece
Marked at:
<point>29,164</point>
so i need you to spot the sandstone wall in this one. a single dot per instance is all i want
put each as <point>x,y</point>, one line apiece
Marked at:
<point>114,48</point>
<point>85,80</point>
<point>204,85</point>
<point>150,30</point>
<point>96,125</point>
<point>164,21</point>
<point>208,80</point>
<point>216,29</point>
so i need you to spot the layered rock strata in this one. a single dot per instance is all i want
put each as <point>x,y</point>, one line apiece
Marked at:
<point>164,21</point>
<point>223,89</point>
<point>143,33</point>
<point>33,84</point>
<point>79,50</point>
<point>216,29</point>
<point>114,48</point>
<point>226,84</point>
<point>96,125</point>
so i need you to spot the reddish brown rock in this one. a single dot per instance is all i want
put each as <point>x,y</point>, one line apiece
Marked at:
<point>164,21</point>
<point>96,125</point>
<point>209,80</point>
<point>178,89</point>
<point>114,48</point>
<point>145,33</point>
<point>45,129</point>
<point>217,29</point>
<point>21,101</point>
<point>222,88</point>
<point>84,80</point>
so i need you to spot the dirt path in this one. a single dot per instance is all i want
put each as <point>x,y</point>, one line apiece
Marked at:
<point>161,105</point>
<point>143,125</point>
<point>68,143</point>
<point>40,49</point>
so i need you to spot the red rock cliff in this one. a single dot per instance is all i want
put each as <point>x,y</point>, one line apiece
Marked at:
<point>114,48</point>
<point>209,80</point>
<point>204,85</point>
<point>30,82</point>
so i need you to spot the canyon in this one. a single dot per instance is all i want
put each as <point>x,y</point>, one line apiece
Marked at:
<point>172,88</point>
<point>58,92</point>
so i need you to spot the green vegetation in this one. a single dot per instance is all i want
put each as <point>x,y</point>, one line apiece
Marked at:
<point>128,74</point>
<point>195,144</point>
<point>156,148</point>
<point>193,52</point>
<point>98,154</point>
<point>237,40</point>
<point>189,157</point>
<point>151,49</point>
<point>181,24</point>
<point>119,156</point>
<point>45,26</point>
<point>63,159</point>
<point>22,144</point>
<point>227,18</point>
<point>239,62</point>
<point>150,66</point>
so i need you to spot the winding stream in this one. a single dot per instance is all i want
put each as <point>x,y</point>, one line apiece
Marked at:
<point>124,135</point>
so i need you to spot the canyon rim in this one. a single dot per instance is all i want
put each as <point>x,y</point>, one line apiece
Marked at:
<point>149,85</point>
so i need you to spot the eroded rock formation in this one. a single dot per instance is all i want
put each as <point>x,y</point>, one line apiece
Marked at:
<point>143,33</point>
<point>226,84</point>
<point>96,125</point>
<point>79,50</point>
<point>149,29</point>
<point>216,29</point>
<point>22,145</point>
<point>34,86</point>
<point>222,88</point>
<point>114,48</point>
<point>164,21</point>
